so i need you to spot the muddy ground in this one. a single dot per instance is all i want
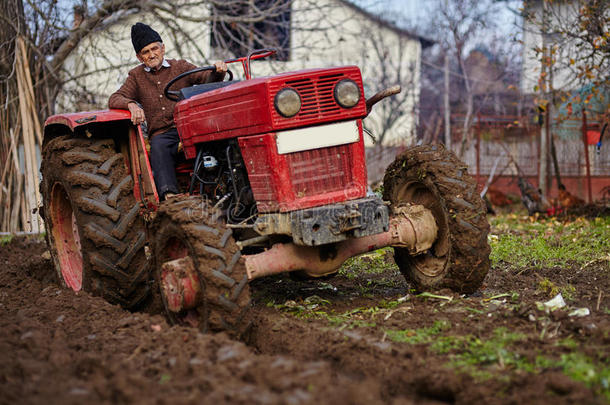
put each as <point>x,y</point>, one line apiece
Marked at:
<point>362,337</point>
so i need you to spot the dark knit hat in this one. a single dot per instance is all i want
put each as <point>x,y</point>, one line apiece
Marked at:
<point>142,35</point>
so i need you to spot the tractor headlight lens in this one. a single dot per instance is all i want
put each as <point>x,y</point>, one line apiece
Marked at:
<point>347,93</point>
<point>287,102</point>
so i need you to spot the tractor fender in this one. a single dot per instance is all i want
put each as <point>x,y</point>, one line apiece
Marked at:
<point>106,124</point>
<point>80,122</point>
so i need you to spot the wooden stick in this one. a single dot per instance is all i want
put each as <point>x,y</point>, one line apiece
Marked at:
<point>23,211</point>
<point>6,205</point>
<point>11,147</point>
<point>16,204</point>
<point>32,197</point>
<point>27,76</point>
<point>491,176</point>
<point>16,200</point>
<point>29,167</point>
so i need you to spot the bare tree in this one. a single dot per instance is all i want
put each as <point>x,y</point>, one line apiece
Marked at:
<point>462,21</point>
<point>461,27</point>
<point>391,62</point>
<point>574,49</point>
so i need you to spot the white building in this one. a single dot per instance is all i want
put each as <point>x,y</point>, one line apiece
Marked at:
<point>322,33</point>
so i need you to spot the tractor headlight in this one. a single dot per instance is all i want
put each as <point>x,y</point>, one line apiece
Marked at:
<point>347,93</point>
<point>287,102</point>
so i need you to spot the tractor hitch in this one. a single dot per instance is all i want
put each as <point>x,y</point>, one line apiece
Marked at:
<point>328,224</point>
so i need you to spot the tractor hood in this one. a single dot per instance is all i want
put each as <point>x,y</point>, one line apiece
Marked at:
<point>247,107</point>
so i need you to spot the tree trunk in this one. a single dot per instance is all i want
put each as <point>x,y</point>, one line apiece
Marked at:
<point>447,107</point>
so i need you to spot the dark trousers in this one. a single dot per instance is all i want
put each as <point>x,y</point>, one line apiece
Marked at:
<point>164,156</point>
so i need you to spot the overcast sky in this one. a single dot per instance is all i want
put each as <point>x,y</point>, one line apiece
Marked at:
<point>412,11</point>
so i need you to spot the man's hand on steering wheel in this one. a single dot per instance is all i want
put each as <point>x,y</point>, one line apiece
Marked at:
<point>221,67</point>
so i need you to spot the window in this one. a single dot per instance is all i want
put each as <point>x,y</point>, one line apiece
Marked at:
<point>241,26</point>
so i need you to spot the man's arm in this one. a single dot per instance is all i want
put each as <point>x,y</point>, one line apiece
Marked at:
<point>125,99</point>
<point>127,93</point>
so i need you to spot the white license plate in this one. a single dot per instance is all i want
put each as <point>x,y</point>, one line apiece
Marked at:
<point>297,140</point>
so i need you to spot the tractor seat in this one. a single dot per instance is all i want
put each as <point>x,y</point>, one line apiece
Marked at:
<point>191,91</point>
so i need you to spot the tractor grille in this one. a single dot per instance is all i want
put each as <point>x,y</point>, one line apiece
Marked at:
<point>299,180</point>
<point>318,103</point>
<point>317,97</point>
<point>320,170</point>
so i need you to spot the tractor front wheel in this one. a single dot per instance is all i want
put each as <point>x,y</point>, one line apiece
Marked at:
<point>435,178</point>
<point>202,280</point>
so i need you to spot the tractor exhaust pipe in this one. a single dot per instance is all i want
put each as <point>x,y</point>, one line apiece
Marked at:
<point>411,226</point>
<point>380,96</point>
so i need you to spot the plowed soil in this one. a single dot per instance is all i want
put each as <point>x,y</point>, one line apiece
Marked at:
<point>314,342</point>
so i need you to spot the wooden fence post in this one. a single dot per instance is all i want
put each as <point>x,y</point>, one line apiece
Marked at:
<point>586,145</point>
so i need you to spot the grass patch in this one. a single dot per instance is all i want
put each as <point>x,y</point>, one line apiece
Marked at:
<point>468,353</point>
<point>545,242</point>
<point>581,368</point>
<point>568,343</point>
<point>372,272</point>
<point>479,357</point>
<point>372,263</point>
<point>551,289</point>
<point>313,307</point>
<point>472,353</point>
<point>417,336</point>
<point>5,240</point>
<point>358,317</point>
<point>304,309</point>
<point>485,358</point>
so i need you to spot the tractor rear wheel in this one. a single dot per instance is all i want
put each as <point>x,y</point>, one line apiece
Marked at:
<point>94,231</point>
<point>198,267</point>
<point>435,178</point>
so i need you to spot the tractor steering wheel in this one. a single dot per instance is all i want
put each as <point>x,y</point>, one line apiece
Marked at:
<point>174,95</point>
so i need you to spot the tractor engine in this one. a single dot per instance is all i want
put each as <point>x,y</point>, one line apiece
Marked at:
<point>220,175</point>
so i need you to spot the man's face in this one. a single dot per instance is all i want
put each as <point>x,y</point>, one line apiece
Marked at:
<point>152,55</point>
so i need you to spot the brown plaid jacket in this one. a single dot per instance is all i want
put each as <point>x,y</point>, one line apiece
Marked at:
<point>146,88</point>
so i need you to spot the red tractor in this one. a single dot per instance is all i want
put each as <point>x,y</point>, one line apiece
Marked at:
<point>276,179</point>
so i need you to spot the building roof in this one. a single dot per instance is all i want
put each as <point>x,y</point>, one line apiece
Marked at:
<point>425,42</point>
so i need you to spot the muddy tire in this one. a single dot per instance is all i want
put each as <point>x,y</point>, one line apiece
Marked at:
<point>434,177</point>
<point>186,226</point>
<point>94,231</point>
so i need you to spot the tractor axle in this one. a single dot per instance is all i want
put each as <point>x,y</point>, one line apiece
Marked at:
<point>411,226</point>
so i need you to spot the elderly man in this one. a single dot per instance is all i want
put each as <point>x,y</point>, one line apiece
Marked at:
<point>144,86</point>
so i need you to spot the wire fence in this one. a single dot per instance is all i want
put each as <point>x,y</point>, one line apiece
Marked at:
<point>497,140</point>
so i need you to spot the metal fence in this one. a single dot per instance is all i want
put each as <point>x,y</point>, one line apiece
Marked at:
<point>497,139</point>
